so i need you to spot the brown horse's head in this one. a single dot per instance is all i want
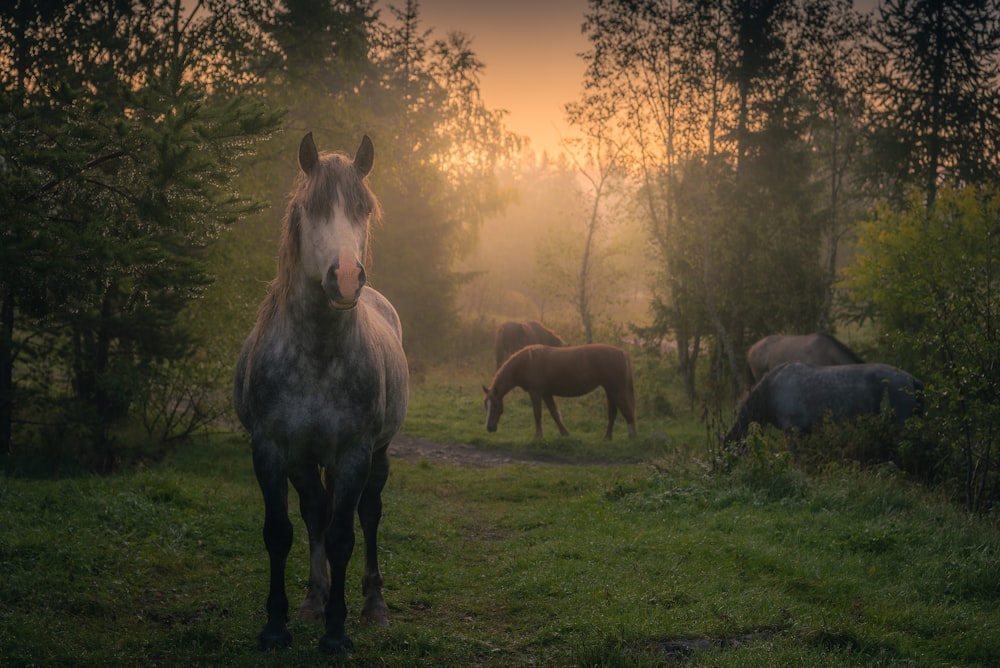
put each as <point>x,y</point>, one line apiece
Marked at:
<point>493,401</point>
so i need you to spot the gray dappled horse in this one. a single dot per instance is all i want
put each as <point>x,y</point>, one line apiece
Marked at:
<point>512,336</point>
<point>545,372</point>
<point>322,385</point>
<point>817,349</point>
<point>798,396</point>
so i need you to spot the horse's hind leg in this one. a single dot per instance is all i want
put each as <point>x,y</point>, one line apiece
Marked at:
<point>314,509</point>
<point>278,539</point>
<point>375,610</point>
<point>550,402</point>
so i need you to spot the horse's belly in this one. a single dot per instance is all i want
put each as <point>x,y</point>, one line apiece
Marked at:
<point>571,390</point>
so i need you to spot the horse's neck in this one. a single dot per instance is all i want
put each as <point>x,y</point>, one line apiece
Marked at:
<point>313,325</point>
<point>504,380</point>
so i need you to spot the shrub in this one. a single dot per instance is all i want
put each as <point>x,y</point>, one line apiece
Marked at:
<point>929,279</point>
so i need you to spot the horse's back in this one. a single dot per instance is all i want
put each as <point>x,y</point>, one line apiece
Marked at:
<point>817,349</point>
<point>799,394</point>
<point>575,370</point>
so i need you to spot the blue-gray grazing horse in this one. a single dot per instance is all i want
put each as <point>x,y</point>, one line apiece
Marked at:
<point>512,336</point>
<point>798,396</point>
<point>322,385</point>
<point>817,349</point>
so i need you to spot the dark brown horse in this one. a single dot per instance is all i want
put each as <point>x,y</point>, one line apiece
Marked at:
<point>545,372</point>
<point>816,349</point>
<point>512,336</point>
<point>321,385</point>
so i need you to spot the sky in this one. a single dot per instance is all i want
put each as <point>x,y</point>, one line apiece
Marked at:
<point>530,52</point>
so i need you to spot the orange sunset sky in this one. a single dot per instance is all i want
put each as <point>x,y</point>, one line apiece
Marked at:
<point>529,49</point>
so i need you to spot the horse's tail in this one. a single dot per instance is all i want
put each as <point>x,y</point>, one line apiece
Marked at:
<point>629,386</point>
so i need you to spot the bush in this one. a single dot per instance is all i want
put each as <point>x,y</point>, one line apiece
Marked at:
<point>929,279</point>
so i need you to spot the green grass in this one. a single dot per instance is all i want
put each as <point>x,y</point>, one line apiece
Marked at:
<point>447,405</point>
<point>663,561</point>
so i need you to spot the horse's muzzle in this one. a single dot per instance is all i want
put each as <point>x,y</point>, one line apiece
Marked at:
<point>343,285</point>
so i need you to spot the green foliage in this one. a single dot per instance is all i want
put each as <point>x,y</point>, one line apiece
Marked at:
<point>931,276</point>
<point>120,176</point>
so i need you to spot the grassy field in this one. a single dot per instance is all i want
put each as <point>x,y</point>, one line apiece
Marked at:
<point>647,555</point>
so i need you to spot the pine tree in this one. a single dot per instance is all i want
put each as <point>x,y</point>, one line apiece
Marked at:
<point>121,160</point>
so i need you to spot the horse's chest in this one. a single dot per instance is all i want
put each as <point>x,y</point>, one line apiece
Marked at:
<point>308,403</point>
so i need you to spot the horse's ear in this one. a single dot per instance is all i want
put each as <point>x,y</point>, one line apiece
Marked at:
<point>308,155</point>
<point>485,390</point>
<point>365,157</point>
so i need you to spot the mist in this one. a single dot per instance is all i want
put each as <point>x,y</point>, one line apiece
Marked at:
<point>526,261</point>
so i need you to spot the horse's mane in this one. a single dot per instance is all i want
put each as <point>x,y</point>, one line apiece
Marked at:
<point>542,329</point>
<point>840,346</point>
<point>527,351</point>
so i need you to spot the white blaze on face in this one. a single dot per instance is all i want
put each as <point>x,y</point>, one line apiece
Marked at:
<point>332,240</point>
<point>489,407</point>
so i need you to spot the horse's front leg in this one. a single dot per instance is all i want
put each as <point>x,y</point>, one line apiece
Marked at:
<point>348,483</point>
<point>278,540</point>
<point>554,411</point>
<point>313,506</point>
<point>375,610</point>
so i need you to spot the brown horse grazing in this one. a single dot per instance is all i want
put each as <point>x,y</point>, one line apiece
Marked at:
<point>512,336</point>
<point>545,372</point>
<point>816,349</point>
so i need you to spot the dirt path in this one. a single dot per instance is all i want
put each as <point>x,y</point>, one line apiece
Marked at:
<point>414,449</point>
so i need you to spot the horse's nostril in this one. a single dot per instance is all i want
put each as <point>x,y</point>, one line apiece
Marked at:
<point>362,277</point>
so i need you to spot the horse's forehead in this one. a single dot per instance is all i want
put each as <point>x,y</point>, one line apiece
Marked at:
<point>334,182</point>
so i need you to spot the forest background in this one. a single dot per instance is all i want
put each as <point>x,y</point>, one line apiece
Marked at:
<point>738,168</point>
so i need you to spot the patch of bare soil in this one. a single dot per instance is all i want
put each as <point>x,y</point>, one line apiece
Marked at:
<point>415,449</point>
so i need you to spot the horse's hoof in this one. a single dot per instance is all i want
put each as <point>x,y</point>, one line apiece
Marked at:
<point>271,640</point>
<point>376,612</point>
<point>336,643</point>
<point>311,614</point>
